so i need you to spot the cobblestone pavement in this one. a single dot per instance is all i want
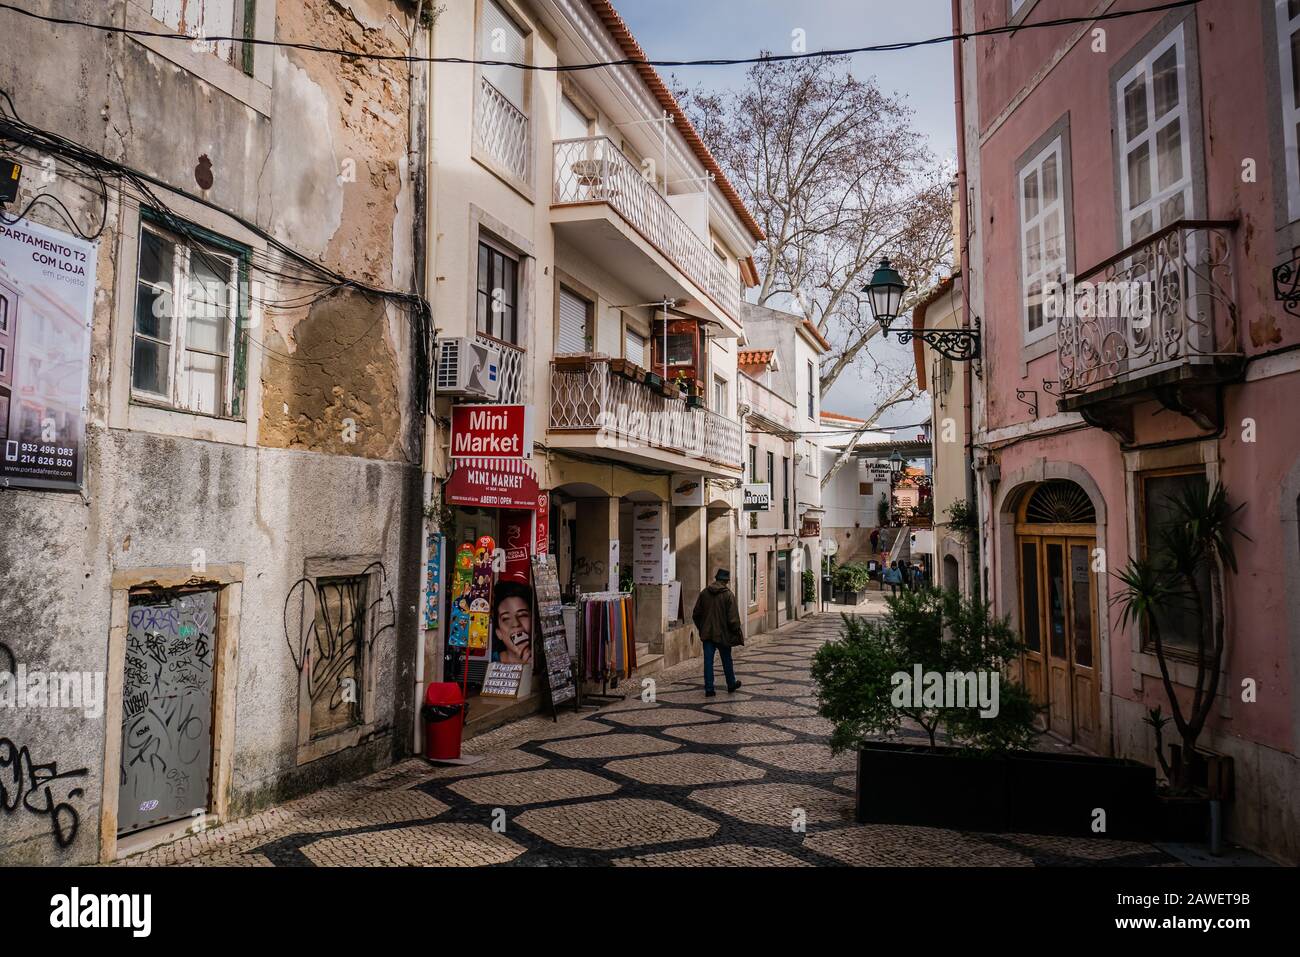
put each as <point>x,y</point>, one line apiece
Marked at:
<point>685,780</point>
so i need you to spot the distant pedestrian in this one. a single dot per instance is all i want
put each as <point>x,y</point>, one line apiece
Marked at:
<point>918,577</point>
<point>893,578</point>
<point>875,540</point>
<point>717,619</point>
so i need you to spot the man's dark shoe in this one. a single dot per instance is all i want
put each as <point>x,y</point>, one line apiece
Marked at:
<point>709,693</point>
<point>734,687</point>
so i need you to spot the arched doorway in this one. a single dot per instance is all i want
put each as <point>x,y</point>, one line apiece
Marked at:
<point>951,574</point>
<point>1056,537</point>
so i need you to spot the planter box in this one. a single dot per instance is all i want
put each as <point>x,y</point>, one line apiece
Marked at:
<point>853,597</point>
<point>1026,792</point>
<point>653,379</point>
<point>694,402</point>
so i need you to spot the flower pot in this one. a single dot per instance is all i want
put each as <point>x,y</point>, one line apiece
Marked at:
<point>1027,792</point>
<point>694,402</point>
<point>654,380</point>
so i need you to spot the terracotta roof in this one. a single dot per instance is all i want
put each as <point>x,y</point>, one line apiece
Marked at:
<point>632,50</point>
<point>841,418</point>
<point>816,334</point>
<point>754,357</point>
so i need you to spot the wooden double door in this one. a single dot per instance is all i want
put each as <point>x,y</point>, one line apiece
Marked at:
<point>1058,615</point>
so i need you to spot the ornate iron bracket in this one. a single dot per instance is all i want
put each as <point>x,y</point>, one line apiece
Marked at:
<point>1050,385</point>
<point>1286,286</point>
<point>1032,403</point>
<point>960,345</point>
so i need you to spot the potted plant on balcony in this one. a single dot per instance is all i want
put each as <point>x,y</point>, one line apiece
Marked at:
<point>653,380</point>
<point>935,666</point>
<point>1199,541</point>
<point>691,387</point>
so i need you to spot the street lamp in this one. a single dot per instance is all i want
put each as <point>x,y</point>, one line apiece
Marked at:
<point>885,294</point>
<point>896,462</point>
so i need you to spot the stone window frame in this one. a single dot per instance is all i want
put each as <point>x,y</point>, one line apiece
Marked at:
<point>253,89</point>
<point>124,410</point>
<point>234,403</point>
<point>1285,193</point>
<point>1043,341</point>
<point>1195,138</point>
<point>311,749</point>
<point>1019,10</point>
<point>1144,664</point>
<point>228,580</point>
<point>483,225</point>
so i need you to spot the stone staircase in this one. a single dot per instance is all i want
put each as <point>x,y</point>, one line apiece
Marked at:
<point>647,663</point>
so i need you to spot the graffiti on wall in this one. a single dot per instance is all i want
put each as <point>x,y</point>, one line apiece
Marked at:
<point>331,624</point>
<point>40,789</point>
<point>167,707</point>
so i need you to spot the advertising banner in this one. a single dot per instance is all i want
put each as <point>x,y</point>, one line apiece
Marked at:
<point>649,546</point>
<point>47,293</point>
<point>758,497</point>
<point>491,432</point>
<point>688,491</point>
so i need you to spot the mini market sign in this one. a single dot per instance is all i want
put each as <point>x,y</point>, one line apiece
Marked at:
<point>491,432</point>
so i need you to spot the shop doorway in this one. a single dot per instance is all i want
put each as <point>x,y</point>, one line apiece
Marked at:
<point>1056,535</point>
<point>167,707</point>
<point>784,606</point>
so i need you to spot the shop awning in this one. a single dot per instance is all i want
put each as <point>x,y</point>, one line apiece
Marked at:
<point>492,483</point>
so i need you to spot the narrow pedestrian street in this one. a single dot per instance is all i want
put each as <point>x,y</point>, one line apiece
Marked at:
<point>683,780</point>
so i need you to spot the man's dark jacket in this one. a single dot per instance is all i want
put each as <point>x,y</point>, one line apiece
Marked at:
<point>717,617</point>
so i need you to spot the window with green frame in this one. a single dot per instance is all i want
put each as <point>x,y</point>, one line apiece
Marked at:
<point>189,338</point>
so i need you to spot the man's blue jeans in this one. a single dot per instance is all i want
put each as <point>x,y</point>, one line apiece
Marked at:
<point>725,651</point>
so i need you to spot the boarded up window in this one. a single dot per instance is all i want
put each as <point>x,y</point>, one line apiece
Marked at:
<point>337,655</point>
<point>207,20</point>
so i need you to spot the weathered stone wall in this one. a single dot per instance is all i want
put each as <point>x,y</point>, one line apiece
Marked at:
<point>326,170</point>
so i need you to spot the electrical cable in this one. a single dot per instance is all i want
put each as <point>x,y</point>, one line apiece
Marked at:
<point>601,64</point>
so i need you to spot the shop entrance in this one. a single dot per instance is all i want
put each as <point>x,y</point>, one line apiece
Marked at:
<point>784,607</point>
<point>1055,539</point>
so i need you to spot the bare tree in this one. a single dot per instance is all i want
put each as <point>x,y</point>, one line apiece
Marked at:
<point>905,392</point>
<point>837,177</point>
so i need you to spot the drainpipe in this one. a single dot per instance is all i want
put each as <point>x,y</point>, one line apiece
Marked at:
<point>429,431</point>
<point>964,229</point>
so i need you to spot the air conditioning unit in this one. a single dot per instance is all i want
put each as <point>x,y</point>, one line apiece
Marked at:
<point>468,367</point>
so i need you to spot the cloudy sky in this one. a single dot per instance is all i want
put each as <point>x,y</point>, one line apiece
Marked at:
<point>696,29</point>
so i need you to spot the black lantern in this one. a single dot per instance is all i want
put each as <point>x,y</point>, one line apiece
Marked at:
<point>885,293</point>
<point>896,462</point>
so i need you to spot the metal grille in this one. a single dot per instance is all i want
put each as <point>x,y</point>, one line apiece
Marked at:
<point>1059,502</point>
<point>1160,303</point>
<point>501,130</point>
<point>593,170</point>
<point>630,415</point>
<point>511,370</point>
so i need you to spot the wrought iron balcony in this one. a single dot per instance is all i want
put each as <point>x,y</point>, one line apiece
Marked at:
<point>630,418</point>
<point>593,170</point>
<point>501,130</point>
<point>511,370</point>
<point>1158,320</point>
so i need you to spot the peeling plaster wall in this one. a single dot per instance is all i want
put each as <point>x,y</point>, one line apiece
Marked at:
<point>293,489</point>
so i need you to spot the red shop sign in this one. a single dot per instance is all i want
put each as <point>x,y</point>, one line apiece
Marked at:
<point>492,483</point>
<point>491,432</point>
<point>543,542</point>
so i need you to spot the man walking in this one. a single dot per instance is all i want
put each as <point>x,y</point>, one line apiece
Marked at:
<point>718,620</point>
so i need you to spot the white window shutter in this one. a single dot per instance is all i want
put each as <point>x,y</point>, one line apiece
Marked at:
<point>571,334</point>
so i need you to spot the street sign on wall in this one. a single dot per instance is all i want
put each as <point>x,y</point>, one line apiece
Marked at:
<point>491,432</point>
<point>757,496</point>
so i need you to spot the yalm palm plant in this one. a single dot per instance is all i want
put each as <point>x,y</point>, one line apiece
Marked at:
<point>1198,541</point>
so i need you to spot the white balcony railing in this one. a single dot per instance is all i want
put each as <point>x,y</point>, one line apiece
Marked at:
<point>593,170</point>
<point>587,396</point>
<point>511,370</point>
<point>501,130</point>
<point>1163,302</point>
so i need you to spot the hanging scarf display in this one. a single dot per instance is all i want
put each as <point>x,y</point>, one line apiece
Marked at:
<point>609,631</point>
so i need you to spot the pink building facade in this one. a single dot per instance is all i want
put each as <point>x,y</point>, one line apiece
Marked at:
<point>1153,155</point>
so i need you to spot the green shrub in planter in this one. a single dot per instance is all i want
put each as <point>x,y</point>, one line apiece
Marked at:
<point>809,586</point>
<point>941,632</point>
<point>851,576</point>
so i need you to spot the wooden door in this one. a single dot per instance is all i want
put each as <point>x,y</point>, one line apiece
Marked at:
<point>1056,616</point>
<point>1083,643</point>
<point>1034,659</point>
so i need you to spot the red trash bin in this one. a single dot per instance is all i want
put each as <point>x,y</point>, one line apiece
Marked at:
<point>444,718</point>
